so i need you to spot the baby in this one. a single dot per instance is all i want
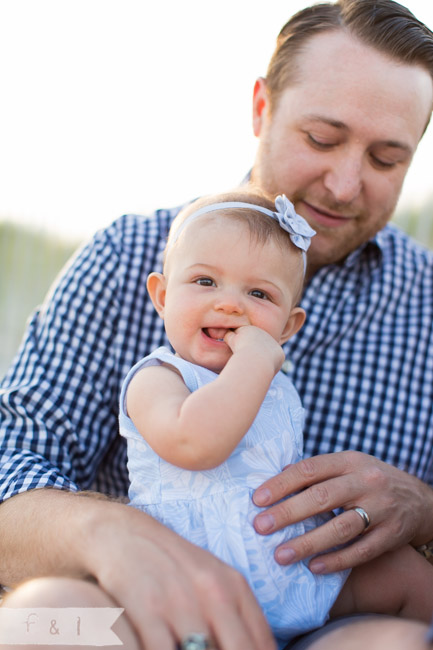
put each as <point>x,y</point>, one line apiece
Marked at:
<point>208,424</point>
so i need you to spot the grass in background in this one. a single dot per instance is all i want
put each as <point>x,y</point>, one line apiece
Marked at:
<point>418,222</point>
<point>30,260</point>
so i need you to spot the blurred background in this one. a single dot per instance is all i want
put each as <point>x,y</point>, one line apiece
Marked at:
<point>115,106</point>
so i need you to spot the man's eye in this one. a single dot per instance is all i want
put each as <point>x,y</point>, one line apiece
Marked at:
<point>318,144</point>
<point>383,164</point>
<point>259,294</point>
<point>205,282</point>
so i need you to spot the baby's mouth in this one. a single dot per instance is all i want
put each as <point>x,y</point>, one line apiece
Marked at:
<point>215,333</point>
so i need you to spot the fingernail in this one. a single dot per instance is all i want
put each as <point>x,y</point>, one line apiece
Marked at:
<point>262,496</point>
<point>317,567</point>
<point>264,523</point>
<point>285,555</point>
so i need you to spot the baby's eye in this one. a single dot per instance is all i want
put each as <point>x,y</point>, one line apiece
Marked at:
<point>257,293</point>
<point>205,282</point>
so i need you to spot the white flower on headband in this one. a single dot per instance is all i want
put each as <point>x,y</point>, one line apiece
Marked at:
<point>290,221</point>
<point>298,229</point>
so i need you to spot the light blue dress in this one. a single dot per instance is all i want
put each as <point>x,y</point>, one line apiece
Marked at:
<point>213,508</point>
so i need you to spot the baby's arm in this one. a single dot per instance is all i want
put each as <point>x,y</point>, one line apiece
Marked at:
<point>199,430</point>
<point>399,583</point>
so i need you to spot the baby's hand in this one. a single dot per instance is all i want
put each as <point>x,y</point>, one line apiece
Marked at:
<point>257,342</point>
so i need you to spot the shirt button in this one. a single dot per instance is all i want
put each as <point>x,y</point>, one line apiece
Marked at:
<point>287,367</point>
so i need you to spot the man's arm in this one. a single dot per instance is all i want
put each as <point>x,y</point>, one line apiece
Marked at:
<point>57,402</point>
<point>145,568</point>
<point>58,417</point>
<point>399,505</point>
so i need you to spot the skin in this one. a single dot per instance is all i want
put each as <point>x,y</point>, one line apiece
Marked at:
<point>228,304</point>
<point>218,277</point>
<point>338,144</point>
<point>167,586</point>
<point>340,140</point>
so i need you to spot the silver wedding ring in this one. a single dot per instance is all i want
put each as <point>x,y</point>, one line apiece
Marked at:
<point>364,516</point>
<point>196,642</point>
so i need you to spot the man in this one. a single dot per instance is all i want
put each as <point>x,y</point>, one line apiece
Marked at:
<point>347,98</point>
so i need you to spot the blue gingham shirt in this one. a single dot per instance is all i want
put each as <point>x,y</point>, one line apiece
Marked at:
<point>362,363</point>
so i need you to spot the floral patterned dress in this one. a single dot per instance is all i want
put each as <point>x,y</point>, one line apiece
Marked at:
<point>214,509</point>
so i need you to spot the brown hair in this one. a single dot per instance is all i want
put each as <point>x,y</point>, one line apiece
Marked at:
<point>383,24</point>
<point>261,227</point>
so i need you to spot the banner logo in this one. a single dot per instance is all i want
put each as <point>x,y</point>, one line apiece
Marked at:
<point>59,626</point>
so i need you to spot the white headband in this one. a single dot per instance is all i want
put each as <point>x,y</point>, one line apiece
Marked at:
<point>299,231</point>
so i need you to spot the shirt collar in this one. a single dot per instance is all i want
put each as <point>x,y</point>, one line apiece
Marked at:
<point>372,248</point>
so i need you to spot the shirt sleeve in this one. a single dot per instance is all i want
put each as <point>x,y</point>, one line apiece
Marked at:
<point>57,416</point>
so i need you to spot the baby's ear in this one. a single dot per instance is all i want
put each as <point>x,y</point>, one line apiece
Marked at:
<point>156,287</point>
<point>293,325</point>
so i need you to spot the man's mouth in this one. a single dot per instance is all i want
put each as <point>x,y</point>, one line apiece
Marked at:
<point>325,217</point>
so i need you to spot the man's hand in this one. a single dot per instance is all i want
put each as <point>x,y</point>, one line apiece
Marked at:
<point>168,587</point>
<point>399,505</point>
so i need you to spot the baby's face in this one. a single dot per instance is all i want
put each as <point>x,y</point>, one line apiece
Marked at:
<point>218,278</point>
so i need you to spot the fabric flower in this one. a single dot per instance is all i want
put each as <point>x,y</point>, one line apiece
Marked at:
<point>298,229</point>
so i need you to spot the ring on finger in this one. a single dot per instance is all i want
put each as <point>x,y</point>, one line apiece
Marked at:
<point>197,642</point>
<point>364,516</point>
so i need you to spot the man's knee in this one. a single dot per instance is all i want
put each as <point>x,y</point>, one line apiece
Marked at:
<point>58,592</point>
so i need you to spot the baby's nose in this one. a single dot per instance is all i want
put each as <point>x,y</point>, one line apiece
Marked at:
<point>230,302</point>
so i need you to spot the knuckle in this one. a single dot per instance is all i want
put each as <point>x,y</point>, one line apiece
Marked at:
<point>307,547</point>
<point>221,587</point>
<point>319,495</point>
<point>364,553</point>
<point>398,529</point>
<point>375,478</point>
<point>306,468</point>
<point>339,564</point>
<point>348,460</point>
<point>358,553</point>
<point>342,528</point>
<point>237,580</point>
<point>207,581</point>
<point>280,481</point>
<point>284,510</point>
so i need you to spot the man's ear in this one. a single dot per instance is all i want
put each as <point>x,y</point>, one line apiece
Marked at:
<point>156,287</point>
<point>260,105</point>
<point>294,324</point>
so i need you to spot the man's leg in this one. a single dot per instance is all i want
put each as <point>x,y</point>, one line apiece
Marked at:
<point>367,632</point>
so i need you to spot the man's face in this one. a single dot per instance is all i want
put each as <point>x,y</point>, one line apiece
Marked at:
<point>340,140</point>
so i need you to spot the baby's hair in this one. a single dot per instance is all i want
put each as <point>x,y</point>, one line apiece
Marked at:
<point>261,227</point>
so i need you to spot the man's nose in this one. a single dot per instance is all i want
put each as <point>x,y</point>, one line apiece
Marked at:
<point>344,178</point>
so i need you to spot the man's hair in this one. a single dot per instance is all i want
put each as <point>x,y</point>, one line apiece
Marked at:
<point>384,25</point>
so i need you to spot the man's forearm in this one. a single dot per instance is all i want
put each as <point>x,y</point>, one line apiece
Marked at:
<point>47,532</point>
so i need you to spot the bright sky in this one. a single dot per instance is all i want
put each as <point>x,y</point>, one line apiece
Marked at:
<point>114,106</point>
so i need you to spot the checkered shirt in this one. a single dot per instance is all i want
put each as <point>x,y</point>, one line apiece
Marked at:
<point>362,363</point>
